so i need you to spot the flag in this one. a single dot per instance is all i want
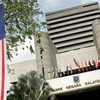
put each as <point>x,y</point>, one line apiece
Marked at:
<point>77,64</point>
<point>82,66</point>
<point>90,65</point>
<point>86,66</point>
<point>59,73</point>
<point>3,66</point>
<point>49,76</point>
<point>53,72</point>
<point>71,71</point>
<point>98,63</point>
<point>56,72</point>
<point>67,70</point>
<point>94,63</point>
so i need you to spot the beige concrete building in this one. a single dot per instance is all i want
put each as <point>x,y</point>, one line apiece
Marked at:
<point>46,61</point>
<point>21,68</point>
<point>71,28</point>
<point>96,31</point>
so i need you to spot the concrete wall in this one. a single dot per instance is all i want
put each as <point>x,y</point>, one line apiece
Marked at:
<point>96,31</point>
<point>48,60</point>
<point>21,68</point>
<point>81,55</point>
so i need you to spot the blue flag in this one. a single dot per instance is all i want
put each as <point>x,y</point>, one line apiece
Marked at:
<point>2,27</point>
<point>67,70</point>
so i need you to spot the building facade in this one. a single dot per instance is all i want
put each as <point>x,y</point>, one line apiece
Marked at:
<point>96,31</point>
<point>71,28</point>
<point>16,69</point>
<point>46,60</point>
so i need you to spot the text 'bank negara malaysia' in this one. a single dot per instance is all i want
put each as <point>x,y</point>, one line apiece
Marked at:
<point>76,82</point>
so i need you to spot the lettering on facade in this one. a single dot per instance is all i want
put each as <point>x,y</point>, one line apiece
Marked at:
<point>77,85</point>
<point>73,86</point>
<point>58,89</point>
<point>92,82</point>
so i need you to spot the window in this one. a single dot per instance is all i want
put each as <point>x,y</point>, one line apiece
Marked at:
<point>41,57</point>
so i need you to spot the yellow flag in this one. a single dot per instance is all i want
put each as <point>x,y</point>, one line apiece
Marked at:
<point>49,76</point>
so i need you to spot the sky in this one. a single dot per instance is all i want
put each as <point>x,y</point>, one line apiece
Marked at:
<point>47,6</point>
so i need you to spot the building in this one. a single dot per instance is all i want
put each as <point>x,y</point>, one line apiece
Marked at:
<point>96,31</point>
<point>74,44</point>
<point>71,28</point>
<point>21,68</point>
<point>46,61</point>
<point>76,34</point>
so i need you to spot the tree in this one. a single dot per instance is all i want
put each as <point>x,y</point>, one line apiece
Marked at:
<point>21,22</point>
<point>30,86</point>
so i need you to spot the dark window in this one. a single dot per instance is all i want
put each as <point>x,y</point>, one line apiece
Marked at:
<point>70,29</point>
<point>41,57</point>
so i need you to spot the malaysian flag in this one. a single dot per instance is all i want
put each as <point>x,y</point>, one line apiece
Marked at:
<point>3,65</point>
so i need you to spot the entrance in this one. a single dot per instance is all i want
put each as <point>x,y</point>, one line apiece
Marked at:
<point>81,95</point>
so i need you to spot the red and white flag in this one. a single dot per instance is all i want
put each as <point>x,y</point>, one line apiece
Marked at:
<point>3,66</point>
<point>86,66</point>
<point>77,64</point>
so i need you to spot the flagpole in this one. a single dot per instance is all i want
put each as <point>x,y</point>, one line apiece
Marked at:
<point>3,64</point>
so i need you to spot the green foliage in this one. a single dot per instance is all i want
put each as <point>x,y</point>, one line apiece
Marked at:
<point>9,70</point>
<point>30,86</point>
<point>21,22</point>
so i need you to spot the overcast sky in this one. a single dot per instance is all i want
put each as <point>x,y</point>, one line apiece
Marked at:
<point>48,6</point>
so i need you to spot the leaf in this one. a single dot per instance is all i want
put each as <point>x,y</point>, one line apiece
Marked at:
<point>41,50</point>
<point>31,49</point>
<point>39,41</point>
